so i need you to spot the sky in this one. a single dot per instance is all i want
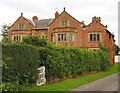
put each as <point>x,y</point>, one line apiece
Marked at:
<point>82,10</point>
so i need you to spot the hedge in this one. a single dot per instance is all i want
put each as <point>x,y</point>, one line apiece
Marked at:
<point>61,62</point>
<point>19,63</point>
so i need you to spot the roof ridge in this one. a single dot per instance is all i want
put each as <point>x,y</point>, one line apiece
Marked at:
<point>31,21</point>
<point>46,19</point>
<point>93,22</point>
<point>66,13</point>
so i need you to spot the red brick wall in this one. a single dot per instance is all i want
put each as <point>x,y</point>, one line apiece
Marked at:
<point>81,34</point>
<point>21,32</point>
<point>97,28</point>
<point>15,26</point>
<point>71,23</point>
<point>39,32</point>
<point>111,47</point>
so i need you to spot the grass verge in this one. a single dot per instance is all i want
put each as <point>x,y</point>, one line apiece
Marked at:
<point>72,83</point>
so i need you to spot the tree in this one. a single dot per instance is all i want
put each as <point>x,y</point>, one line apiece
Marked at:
<point>116,49</point>
<point>4,30</point>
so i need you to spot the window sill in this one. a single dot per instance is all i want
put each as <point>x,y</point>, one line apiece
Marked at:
<point>62,41</point>
<point>93,41</point>
<point>65,41</point>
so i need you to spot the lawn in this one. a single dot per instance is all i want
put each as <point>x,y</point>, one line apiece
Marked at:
<point>72,83</point>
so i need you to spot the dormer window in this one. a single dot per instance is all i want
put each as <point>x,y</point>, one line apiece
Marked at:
<point>21,26</point>
<point>64,23</point>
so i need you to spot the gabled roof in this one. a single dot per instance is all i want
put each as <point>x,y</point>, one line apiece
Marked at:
<point>66,13</point>
<point>93,22</point>
<point>24,18</point>
<point>39,24</point>
<point>100,24</point>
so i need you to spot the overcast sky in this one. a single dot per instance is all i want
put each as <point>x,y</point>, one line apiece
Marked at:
<point>82,10</point>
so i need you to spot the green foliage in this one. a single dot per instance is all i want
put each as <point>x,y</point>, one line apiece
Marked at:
<point>116,49</point>
<point>104,48</point>
<point>72,61</point>
<point>11,86</point>
<point>19,63</point>
<point>4,30</point>
<point>69,84</point>
<point>35,41</point>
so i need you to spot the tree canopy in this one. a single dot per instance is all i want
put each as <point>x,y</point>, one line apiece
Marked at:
<point>4,31</point>
<point>116,49</point>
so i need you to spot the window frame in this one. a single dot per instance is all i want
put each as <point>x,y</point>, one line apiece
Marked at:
<point>18,37</point>
<point>90,37</point>
<point>73,37</point>
<point>70,37</point>
<point>65,37</point>
<point>98,39</point>
<point>58,39</point>
<point>64,23</point>
<point>21,26</point>
<point>62,36</point>
<point>93,36</point>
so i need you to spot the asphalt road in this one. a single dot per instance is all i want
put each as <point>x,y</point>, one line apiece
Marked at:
<point>109,83</point>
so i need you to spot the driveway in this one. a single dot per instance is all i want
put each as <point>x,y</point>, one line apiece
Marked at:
<point>109,83</point>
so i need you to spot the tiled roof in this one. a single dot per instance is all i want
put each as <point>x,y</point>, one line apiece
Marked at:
<point>30,21</point>
<point>41,24</point>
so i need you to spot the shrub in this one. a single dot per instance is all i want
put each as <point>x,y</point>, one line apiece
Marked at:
<point>35,41</point>
<point>20,63</point>
<point>10,86</point>
<point>71,61</point>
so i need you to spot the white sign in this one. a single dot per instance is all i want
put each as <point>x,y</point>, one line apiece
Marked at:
<point>41,76</point>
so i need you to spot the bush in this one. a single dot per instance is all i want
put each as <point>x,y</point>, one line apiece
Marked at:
<point>71,61</point>
<point>35,41</point>
<point>10,86</point>
<point>20,63</point>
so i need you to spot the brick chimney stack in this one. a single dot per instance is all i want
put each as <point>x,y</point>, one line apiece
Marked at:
<point>35,18</point>
<point>56,14</point>
<point>98,19</point>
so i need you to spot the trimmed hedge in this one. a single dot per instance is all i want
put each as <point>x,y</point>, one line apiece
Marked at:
<point>61,62</point>
<point>35,41</point>
<point>19,63</point>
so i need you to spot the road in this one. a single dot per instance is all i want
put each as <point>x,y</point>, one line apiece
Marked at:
<point>109,83</point>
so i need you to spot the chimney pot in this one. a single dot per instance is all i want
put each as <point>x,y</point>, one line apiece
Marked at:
<point>98,19</point>
<point>56,14</point>
<point>35,18</point>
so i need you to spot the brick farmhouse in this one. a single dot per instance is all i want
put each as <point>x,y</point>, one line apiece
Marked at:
<point>66,31</point>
